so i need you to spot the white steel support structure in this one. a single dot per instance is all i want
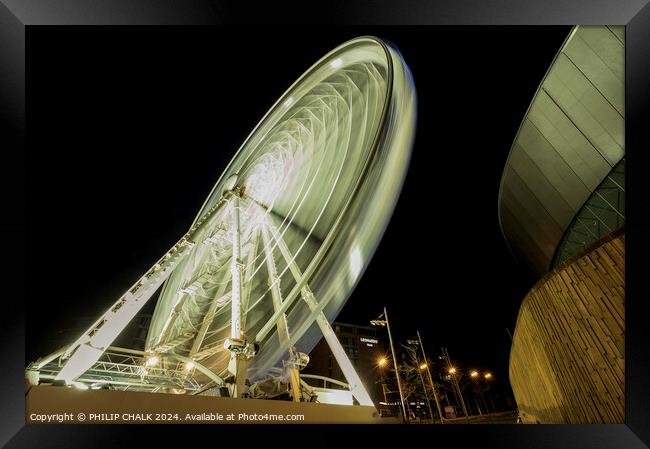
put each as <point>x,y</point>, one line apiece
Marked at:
<point>236,272</point>
<point>282,326</point>
<point>87,349</point>
<point>84,352</point>
<point>276,294</point>
<point>248,275</point>
<point>236,344</point>
<point>351,376</point>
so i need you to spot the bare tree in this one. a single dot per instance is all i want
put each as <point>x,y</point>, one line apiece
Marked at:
<point>416,384</point>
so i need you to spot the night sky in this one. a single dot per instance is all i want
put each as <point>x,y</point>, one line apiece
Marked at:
<point>129,128</point>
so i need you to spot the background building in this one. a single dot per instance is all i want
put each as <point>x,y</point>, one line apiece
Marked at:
<point>562,212</point>
<point>364,345</point>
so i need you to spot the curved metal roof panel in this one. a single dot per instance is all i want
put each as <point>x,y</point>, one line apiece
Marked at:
<point>569,140</point>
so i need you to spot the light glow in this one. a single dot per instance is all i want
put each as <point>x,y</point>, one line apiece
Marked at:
<point>356,262</point>
<point>338,62</point>
<point>152,361</point>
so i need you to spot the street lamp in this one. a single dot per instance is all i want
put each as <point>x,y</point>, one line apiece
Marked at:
<point>478,392</point>
<point>454,380</point>
<point>385,322</point>
<point>488,377</point>
<point>425,366</point>
<point>382,362</point>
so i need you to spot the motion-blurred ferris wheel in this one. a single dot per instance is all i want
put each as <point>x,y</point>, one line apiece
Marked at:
<point>280,242</point>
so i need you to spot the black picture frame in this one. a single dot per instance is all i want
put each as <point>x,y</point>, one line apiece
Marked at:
<point>17,16</point>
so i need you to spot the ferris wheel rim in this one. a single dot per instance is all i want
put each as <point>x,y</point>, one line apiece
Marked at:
<point>286,94</point>
<point>374,52</point>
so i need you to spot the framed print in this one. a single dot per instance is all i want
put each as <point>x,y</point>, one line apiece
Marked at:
<point>427,215</point>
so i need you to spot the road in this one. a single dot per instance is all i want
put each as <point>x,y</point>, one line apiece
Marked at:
<point>509,417</point>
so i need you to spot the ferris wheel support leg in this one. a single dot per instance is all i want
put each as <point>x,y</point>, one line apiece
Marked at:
<point>351,376</point>
<point>236,272</point>
<point>282,325</point>
<point>248,275</point>
<point>238,366</point>
<point>240,349</point>
<point>276,294</point>
<point>356,386</point>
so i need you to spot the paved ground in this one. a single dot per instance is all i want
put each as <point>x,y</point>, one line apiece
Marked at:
<point>509,417</point>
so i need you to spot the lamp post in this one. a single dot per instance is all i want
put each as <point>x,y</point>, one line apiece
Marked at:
<point>477,390</point>
<point>382,363</point>
<point>433,388</point>
<point>452,372</point>
<point>426,396</point>
<point>385,322</point>
<point>488,378</point>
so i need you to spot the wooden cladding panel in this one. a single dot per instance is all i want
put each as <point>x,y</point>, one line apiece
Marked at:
<point>567,362</point>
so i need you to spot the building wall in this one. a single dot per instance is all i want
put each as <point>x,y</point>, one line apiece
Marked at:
<point>567,361</point>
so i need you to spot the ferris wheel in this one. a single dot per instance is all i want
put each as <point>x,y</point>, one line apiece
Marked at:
<point>281,240</point>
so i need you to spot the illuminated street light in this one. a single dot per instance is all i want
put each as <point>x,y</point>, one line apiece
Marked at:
<point>423,366</point>
<point>382,362</point>
<point>488,376</point>
<point>473,373</point>
<point>454,380</point>
<point>384,322</point>
<point>433,387</point>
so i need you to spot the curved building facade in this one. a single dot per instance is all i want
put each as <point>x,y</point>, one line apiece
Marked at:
<point>563,173</point>
<point>567,361</point>
<point>562,213</point>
